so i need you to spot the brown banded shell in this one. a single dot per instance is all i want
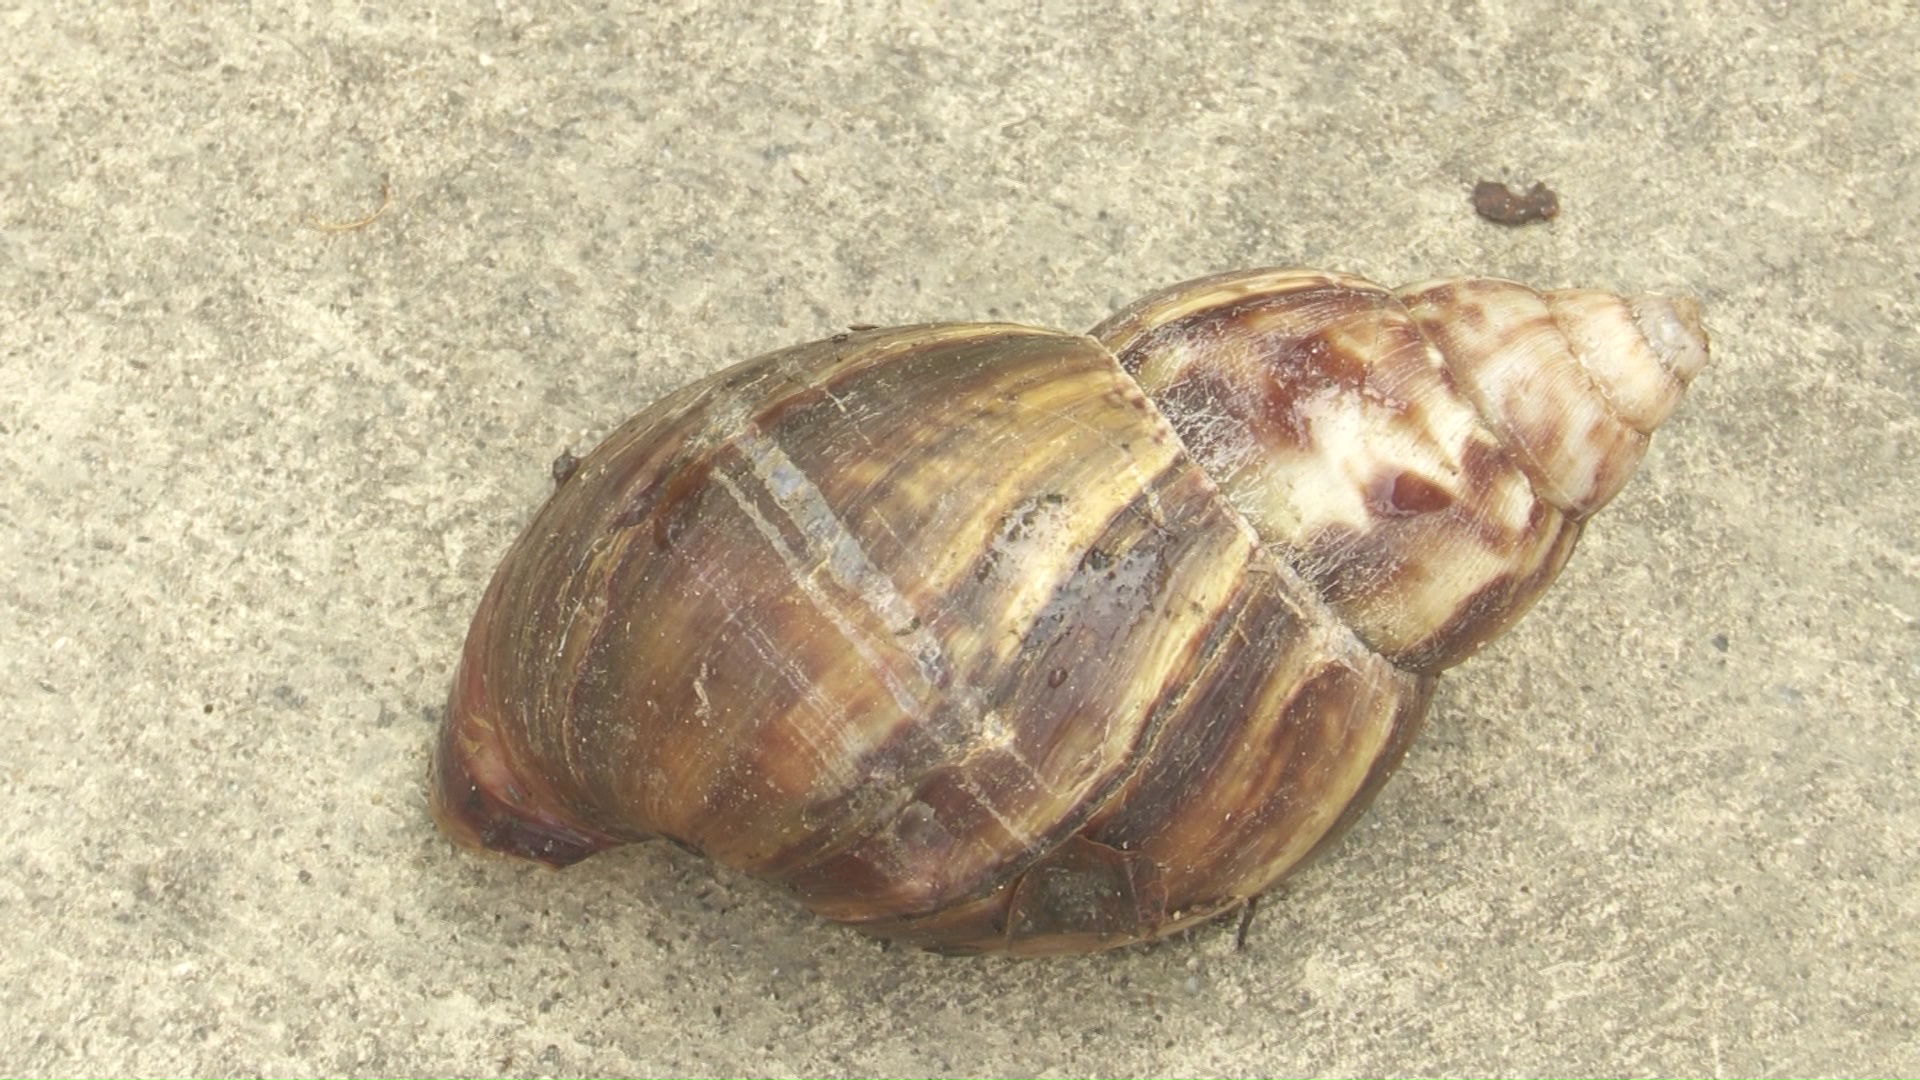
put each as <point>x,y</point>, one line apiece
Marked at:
<point>986,638</point>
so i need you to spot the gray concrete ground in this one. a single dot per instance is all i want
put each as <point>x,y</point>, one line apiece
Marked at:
<point>297,304</point>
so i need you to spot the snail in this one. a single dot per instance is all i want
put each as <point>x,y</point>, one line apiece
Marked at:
<point>984,638</point>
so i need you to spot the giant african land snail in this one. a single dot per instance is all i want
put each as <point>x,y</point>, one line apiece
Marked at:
<point>986,637</point>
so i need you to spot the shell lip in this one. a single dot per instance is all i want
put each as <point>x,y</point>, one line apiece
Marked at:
<point>480,803</point>
<point>476,816</point>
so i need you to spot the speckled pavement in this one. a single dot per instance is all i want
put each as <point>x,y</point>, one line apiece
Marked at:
<point>298,303</point>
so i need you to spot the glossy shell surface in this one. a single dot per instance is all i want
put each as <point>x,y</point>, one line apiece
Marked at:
<point>985,637</point>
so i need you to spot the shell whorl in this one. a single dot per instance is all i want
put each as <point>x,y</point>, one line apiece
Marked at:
<point>1424,455</point>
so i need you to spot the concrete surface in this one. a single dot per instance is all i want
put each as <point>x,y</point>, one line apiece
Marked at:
<point>264,432</point>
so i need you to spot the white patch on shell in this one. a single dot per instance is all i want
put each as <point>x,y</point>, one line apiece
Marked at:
<point>1354,441</point>
<point>831,549</point>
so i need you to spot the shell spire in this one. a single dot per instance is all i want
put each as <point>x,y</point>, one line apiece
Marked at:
<point>1424,456</point>
<point>1573,381</point>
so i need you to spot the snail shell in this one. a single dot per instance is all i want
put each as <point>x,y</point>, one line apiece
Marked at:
<point>986,637</point>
